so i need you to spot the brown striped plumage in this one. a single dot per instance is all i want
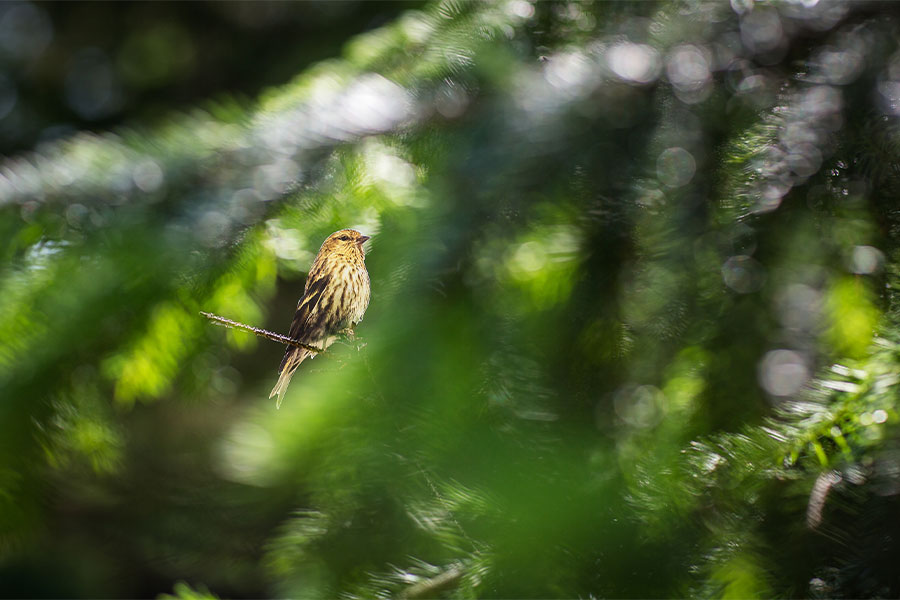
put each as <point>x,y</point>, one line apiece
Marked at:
<point>335,298</point>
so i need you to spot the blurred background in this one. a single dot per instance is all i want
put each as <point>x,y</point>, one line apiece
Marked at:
<point>634,327</point>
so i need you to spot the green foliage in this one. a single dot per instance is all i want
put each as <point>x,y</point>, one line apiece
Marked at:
<point>185,592</point>
<point>633,329</point>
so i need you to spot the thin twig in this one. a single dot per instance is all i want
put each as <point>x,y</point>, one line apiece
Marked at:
<point>264,333</point>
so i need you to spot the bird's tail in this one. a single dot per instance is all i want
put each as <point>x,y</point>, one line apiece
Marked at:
<point>288,367</point>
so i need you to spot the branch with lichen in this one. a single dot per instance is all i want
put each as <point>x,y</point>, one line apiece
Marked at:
<point>264,333</point>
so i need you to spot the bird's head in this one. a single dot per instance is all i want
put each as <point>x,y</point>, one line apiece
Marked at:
<point>346,242</point>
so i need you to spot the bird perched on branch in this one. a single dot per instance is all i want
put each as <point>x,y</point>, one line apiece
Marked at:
<point>334,300</point>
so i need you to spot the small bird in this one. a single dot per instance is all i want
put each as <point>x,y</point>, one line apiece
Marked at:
<point>334,300</point>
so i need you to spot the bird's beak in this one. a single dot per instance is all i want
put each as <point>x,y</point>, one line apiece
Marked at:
<point>362,239</point>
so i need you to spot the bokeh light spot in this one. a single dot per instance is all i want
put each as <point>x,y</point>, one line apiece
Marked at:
<point>799,306</point>
<point>866,260</point>
<point>571,73</point>
<point>675,167</point>
<point>761,30</point>
<point>148,176</point>
<point>642,406</point>
<point>639,63</point>
<point>783,372</point>
<point>92,89</point>
<point>528,257</point>
<point>520,8</point>
<point>25,29</point>
<point>743,274</point>
<point>688,70</point>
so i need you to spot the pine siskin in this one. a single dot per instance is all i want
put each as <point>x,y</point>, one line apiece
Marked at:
<point>335,299</point>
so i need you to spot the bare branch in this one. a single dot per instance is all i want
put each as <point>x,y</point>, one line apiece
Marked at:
<point>264,333</point>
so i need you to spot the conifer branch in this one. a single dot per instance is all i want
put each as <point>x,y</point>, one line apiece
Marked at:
<point>818,496</point>
<point>429,588</point>
<point>264,333</point>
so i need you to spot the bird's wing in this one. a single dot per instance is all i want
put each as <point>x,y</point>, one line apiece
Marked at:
<point>309,324</point>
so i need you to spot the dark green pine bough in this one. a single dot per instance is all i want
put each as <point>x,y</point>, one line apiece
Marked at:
<point>633,332</point>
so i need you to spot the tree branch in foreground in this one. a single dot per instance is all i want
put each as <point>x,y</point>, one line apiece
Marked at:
<point>429,588</point>
<point>264,333</point>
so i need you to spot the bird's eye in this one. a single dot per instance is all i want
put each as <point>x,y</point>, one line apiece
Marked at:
<point>344,238</point>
